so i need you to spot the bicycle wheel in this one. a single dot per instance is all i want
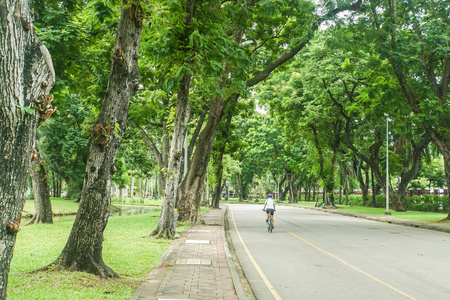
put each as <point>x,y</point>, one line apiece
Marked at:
<point>270,225</point>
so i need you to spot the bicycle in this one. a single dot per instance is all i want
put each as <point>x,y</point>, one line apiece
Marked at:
<point>269,223</point>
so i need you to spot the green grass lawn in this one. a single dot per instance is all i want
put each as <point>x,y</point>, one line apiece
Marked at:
<point>59,206</point>
<point>127,249</point>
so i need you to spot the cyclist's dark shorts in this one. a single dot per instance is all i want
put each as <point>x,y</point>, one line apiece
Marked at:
<point>270,211</point>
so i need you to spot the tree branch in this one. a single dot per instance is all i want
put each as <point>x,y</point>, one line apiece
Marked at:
<point>445,81</point>
<point>305,40</point>
<point>149,142</point>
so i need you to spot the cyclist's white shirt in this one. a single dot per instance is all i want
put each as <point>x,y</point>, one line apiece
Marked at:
<point>270,204</point>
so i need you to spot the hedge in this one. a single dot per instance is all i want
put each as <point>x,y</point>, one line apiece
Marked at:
<point>426,203</point>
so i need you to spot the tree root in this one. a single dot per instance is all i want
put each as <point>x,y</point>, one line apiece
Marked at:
<point>329,206</point>
<point>166,233</point>
<point>99,269</point>
<point>446,219</point>
<point>32,220</point>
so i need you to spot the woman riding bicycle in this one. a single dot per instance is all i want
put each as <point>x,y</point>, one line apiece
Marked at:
<point>269,207</point>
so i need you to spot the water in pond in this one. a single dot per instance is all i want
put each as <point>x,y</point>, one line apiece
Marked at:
<point>128,210</point>
<point>124,210</point>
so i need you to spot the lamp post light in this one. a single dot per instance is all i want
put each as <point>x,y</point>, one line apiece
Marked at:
<point>387,212</point>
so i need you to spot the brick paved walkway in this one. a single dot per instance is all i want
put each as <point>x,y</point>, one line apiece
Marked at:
<point>196,267</point>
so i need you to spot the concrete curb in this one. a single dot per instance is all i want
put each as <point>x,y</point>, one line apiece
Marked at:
<point>241,285</point>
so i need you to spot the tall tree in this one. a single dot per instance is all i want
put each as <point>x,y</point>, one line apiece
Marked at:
<point>26,77</point>
<point>182,115</point>
<point>414,36</point>
<point>83,250</point>
<point>64,142</point>
<point>272,22</point>
<point>82,69</point>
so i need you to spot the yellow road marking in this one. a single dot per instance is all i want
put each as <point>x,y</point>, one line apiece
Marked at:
<point>348,264</point>
<point>258,269</point>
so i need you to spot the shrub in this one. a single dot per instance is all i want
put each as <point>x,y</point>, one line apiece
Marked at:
<point>427,203</point>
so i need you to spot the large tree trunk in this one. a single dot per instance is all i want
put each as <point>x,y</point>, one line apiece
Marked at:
<point>443,144</point>
<point>292,192</point>
<point>26,77</point>
<point>220,150</point>
<point>407,174</point>
<point>132,184</point>
<point>83,250</point>
<point>326,176</point>
<point>374,202</point>
<point>217,195</point>
<point>240,191</point>
<point>218,163</point>
<point>282,196</point>
<point>363,183</point>
<point>191,186</point>
<point>41,191</point>
<point>165,224</point>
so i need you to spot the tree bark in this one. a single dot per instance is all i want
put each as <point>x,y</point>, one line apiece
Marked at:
<point>363,184</point>
<point>83,250</point>
<point>218,188</point>
<point>442,142</point>
<point>165,224</point>
<point>374,202</point>
<point>191,186</point>
<point>220,150</point>
<point>217,195</point>
<point>41,192</point>
<point>292,192</point>
<point>26,77</point>
<point>240,191</point>
<point>282,191</point>
<point>132,184</point>
<point>182,115</point>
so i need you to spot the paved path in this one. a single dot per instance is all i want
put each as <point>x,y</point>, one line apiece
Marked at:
<point>200,265</point>
<point>196,267</point>
<point>317,255</point>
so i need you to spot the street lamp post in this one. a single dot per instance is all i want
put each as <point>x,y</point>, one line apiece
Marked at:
<point>387,212</point>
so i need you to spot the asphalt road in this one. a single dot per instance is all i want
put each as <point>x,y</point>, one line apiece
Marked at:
<point>318,255</point>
